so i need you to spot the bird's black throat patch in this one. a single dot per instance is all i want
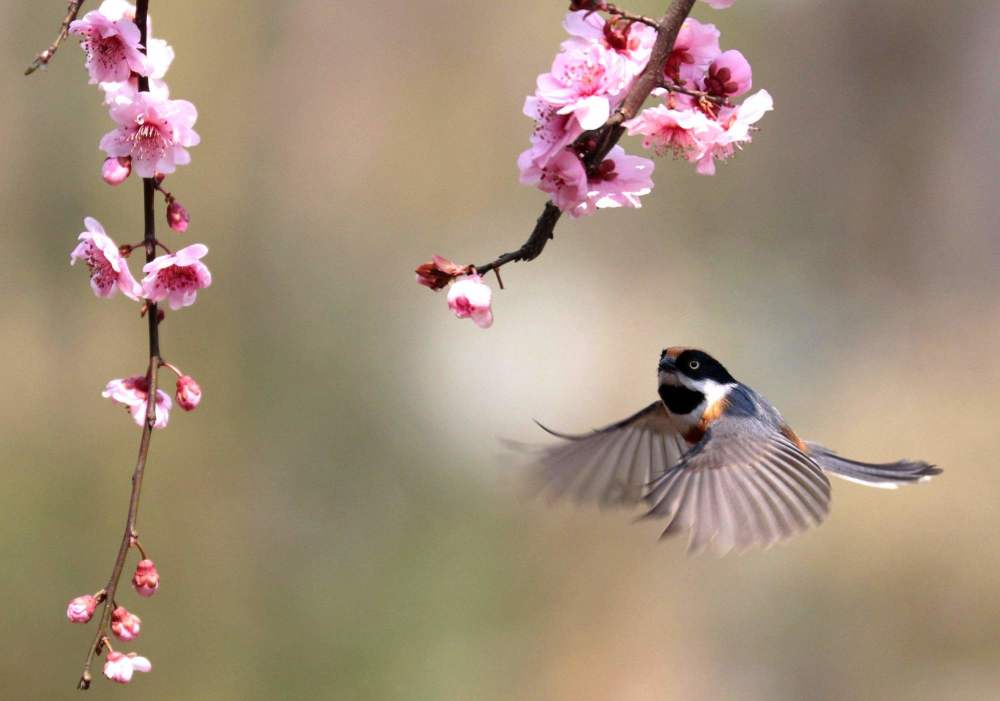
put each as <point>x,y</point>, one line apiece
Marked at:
<point>680,400</point>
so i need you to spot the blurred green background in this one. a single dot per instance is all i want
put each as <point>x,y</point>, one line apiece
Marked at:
<point>339,521</point>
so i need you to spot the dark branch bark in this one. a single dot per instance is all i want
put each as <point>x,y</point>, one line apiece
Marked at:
<point>42,59</point>
<point>130,534</point>
<point>608,135</point>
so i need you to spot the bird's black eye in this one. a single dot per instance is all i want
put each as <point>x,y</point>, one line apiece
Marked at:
<point>694,364</point>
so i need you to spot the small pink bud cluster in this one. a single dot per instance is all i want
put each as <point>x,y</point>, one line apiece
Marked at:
<point>469,297</point>
<point>588,80</point>
<point>705,127</point>
<point>119,667</point>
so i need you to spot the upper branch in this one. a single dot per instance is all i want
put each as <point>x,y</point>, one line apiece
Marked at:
<point>605,137</point>
<point>42,59</point>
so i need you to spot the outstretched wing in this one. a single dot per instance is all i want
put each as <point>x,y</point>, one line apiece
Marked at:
<point>743,484</point>
<point>612,465</point>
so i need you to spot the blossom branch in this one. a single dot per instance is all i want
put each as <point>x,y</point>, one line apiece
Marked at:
<point>594,146</point>
<point>42,59</point>
<point>130,535</point>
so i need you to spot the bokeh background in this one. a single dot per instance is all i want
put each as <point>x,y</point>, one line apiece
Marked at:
<point>338,520</point>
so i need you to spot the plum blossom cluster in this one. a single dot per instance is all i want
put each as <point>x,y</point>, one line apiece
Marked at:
<point>151,137</point>
<point>124,625</point>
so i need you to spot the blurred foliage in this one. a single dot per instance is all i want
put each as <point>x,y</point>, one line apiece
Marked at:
<point>338,520</point>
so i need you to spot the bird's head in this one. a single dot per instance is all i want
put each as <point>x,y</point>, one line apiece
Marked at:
<point>693,369</point>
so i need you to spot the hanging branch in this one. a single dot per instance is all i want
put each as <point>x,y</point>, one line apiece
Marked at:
<point>42,59</point>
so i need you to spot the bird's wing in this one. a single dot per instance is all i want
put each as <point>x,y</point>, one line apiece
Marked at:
<point>615,464</point>
<point>743,484</point>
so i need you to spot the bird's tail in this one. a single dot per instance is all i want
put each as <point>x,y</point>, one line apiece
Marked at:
<point>887,475</point>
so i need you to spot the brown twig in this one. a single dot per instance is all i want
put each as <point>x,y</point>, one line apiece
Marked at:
<point>671,86</point>
<point>130,535</point>
<point>42,59</point>
<point>605,137</point>
<point>641,19</point>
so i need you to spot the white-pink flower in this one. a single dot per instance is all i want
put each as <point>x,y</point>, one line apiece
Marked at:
<point>619,181</point>
<point>81,609</point>
<point>737,129</point>
<point>632,42</point>
<point>120,667</point>
<point>108,270</point>
<point>729,75</point>
<point>585,80</point>
<point>696,47</point>
<point>553,132</point>
<point>154,131</point>
<point>112,47</point>
<point>562,177</point>
<point>159,55</point>
<point>469,297</point>
<point>124,624</point>
<point>133,394</point>
<point>177,277</point>
<point>682,132</point>
<point>720,4</point>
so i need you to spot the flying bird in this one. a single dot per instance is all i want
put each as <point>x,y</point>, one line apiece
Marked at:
<point>711,457</point>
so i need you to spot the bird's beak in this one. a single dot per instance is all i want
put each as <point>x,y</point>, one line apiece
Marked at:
<point>667,364</point>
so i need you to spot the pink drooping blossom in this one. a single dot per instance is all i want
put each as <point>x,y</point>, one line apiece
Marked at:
<point>586,80</point>
<point>632,42</point>
<point>112,47</point>
<point>177,216</point>
<point>618,181</point>
<point>438,272</point>
<point>469,297</point>
<point>729,75</point>
<point>81,609</point>
<point>119,667</point>
<point>155,132</point>
<point>696,47</point>
<point>563,177</point>
<point>108,269</point>
<point>116,170</point>
<point>133,394</point>
<point>682,132</point>
<point>146,579</point>
<point>159,56</point>
<point>125,625</point>
<point>737,123</point>
<point>720,4</point>
<point>177,277</point>
<point>188,393</point>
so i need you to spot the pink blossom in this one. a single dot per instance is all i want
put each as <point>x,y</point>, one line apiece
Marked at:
<point>115,10</point>
<point>116,170</point>
<point>108,270</point>
<point>188,393</point>
<point>737,129</point>
<point>177,216</point>
<point>720,4</point>
<point>562,177</point>
<point>682,132</point>
<point>177,277</point>
<point>112,47</point>
<point>632,42</point>
<point>584,80</point>
<point>729,75</point>
<point>146,579</point>
<point>618,181</point>
<point>120,667</point>
<point>125,625</point>
<point>81,609</point>
<point>553,132</point>
<point>470,297</point>
<point>133,393</point>
<point>159,56</point>
<point>154,131</point>
<point>696,47</point>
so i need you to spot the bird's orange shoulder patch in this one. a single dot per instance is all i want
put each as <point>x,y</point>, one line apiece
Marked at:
<point>791,435</point>
<point>674,351</point>
<point>711,415</point>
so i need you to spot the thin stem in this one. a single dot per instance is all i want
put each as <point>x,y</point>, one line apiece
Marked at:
<point>605,137</point>
<point>130,534</point>
<point>42,59</point>
<point>641,19</point>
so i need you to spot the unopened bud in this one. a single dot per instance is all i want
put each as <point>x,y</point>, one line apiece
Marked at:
<point>81,609</point>
<point>188,392</point>
<point>116,170</point>
<point>125,625</point>
<point>177,216</point>
<point>146,579</point>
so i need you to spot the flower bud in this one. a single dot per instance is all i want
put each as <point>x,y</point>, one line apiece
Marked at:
<point>177,216</point>
<point>116,170</point>
<point>120,667</point>
<point>146,579</point>
<point>188,393</point>
<point>470,297</point>
<point>125,625</point>
<point>81,609</point>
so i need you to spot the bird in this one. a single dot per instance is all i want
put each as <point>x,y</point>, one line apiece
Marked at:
<point>711,457</point>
